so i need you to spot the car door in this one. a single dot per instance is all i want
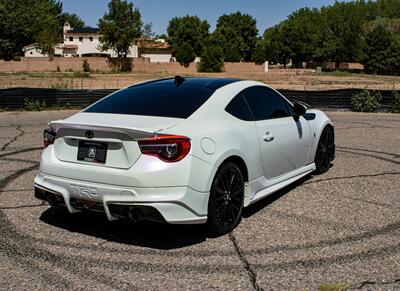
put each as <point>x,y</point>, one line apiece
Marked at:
<point>284,141</point>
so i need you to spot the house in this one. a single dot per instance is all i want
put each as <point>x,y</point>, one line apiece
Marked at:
<point>156,50</point>
<point>31,51</point>
<point>78,42</point>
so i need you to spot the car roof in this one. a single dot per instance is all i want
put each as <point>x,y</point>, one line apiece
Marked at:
<point>210,83</point>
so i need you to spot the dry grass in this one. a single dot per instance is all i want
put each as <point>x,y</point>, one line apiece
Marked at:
<point>278,78</point>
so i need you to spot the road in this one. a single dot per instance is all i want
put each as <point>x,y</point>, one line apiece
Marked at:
<point>340,227</point>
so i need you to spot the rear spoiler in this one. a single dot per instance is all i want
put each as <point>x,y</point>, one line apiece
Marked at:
<point>133,133</point>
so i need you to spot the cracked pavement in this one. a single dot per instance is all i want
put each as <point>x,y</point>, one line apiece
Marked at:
<point>340,227</point>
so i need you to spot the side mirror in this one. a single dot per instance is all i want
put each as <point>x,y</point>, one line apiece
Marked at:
<point>298,110</point>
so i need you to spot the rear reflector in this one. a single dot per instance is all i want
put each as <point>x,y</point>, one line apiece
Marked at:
<point>168,148</point>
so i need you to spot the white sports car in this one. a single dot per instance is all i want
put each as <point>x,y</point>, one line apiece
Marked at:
<point>182,150</point>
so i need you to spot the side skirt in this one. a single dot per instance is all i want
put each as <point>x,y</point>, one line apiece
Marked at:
<point>278,183</point>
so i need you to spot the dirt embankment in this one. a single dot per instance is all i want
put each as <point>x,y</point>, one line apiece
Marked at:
<point>279,78</point>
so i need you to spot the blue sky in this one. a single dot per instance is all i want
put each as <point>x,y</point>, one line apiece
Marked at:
<point>159,12</point>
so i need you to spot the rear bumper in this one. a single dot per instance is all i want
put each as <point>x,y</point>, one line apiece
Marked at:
<point>177,205</point>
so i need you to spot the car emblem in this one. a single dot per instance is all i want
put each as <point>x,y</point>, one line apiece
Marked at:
<point>89,134</point>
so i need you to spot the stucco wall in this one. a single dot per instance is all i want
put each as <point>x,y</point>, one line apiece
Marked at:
<point>158,58</point>
<point>98,63</point>
<point>33,53</point>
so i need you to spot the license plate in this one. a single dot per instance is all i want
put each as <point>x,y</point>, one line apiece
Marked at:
<point>93,152</point>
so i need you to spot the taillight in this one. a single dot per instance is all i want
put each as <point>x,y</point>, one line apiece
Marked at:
<point>48,137</point>
<point>168,148</point>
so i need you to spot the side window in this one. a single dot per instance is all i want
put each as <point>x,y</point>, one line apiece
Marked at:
<point>239,108</point>
<point>265,103</point>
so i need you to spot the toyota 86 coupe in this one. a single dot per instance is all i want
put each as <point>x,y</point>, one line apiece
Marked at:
<point>182,151</point>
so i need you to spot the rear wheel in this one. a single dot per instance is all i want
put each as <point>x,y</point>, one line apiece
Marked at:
<point>225,204</point>
<point>325,151</point>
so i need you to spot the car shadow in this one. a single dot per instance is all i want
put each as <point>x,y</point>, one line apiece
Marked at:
<point>146,234</point>
<point>261,204</point>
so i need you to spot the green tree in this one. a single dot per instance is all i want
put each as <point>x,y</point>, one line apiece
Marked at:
<point>390,23</point>
<point>300,34</point>
<point>344,26</point>
<point>24,22</point>
<point>237,36</point>
<point>46,26</point>
<point>276,49</point>
<point>187,34</point>
<point>15,31</point>
<point>212,58</point>
<point>381,51</point>
<point>389,8</point>
<point>185,54</point>
<point>332,33</point>
<point>147,30</point>
<point>259,54</point>
<point>120,27</point>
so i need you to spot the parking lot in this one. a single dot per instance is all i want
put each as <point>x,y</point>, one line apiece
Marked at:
<point>340,227</point>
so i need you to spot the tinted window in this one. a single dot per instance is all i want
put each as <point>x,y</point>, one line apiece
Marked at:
<point>154,99</point>
<point>265,103</point>
<point>239,108</point>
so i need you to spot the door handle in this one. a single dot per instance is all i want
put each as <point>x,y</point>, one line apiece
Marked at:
<point>268,137</point>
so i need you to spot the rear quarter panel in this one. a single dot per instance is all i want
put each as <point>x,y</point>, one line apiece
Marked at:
<point>216,135</point>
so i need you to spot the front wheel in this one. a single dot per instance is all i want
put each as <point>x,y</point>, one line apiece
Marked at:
<point>225,204</point>
<point>325,151</point>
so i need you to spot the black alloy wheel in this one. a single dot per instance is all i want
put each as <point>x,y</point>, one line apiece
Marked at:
<point>325,151</point>
<point>225,204</point>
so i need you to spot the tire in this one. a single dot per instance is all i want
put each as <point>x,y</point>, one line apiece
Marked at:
<point>325,151</point>
<point>225,203</point>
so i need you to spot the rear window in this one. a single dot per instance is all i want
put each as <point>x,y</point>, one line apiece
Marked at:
<point>154,99</point>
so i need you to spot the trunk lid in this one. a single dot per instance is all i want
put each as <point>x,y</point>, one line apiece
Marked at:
<point>87,138</point>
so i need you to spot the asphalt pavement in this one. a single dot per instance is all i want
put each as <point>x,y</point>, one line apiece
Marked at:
<point>342,227</point>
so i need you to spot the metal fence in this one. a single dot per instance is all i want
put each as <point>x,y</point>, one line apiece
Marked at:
<point>15,98</point>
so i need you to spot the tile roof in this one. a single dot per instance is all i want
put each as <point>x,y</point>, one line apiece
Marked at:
<point>70,46</point>
<point>151,43</point>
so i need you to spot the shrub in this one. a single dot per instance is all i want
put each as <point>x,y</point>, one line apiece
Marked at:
<point>395,108</point>
<point>61,85</point>
<point>85,65</point>
<point>81,74</point>
<point>212,60</point>
<point>34,105</point>
<point>185,54</point>
<point>60,106</point>
<point>333,287</point>
<point>366,101</point>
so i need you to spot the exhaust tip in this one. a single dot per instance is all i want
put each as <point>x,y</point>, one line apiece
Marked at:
<point>135,215</point>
